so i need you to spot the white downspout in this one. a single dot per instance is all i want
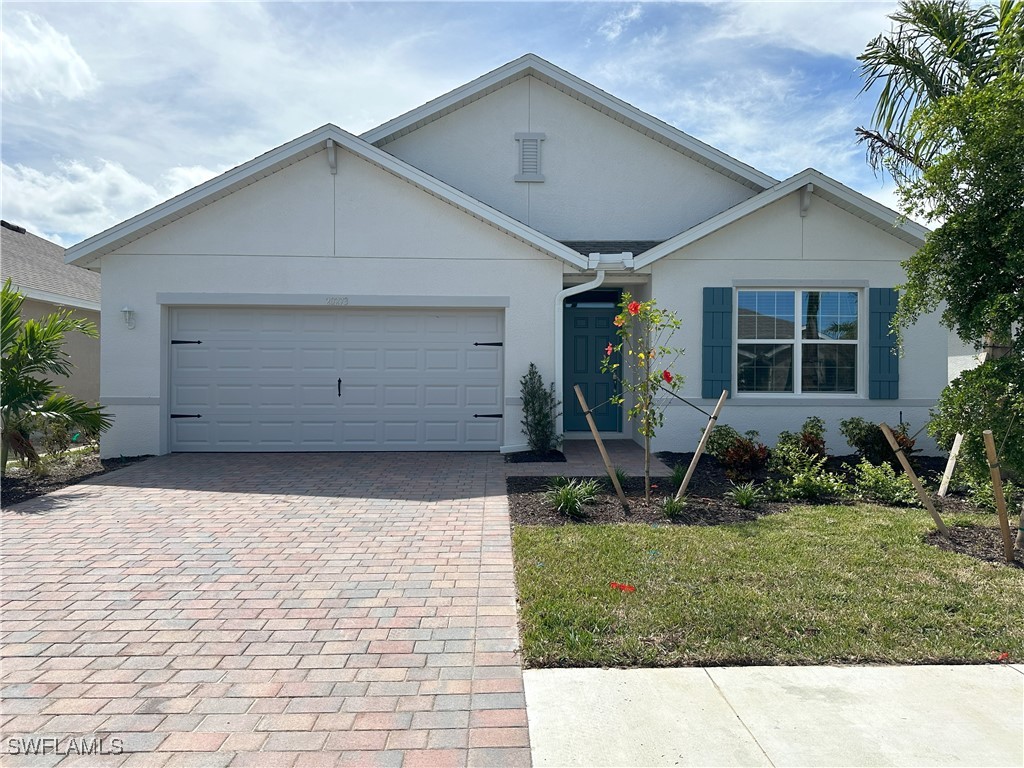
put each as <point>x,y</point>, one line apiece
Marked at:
<point>559,340</point>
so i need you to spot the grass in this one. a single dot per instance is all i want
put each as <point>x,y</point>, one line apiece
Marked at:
<point>816,585</point>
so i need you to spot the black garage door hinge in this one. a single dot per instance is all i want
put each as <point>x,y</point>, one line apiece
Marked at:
<point>186,415</point>
<point>488,344</point>
<point>488,416</point>
<point>182,341</point>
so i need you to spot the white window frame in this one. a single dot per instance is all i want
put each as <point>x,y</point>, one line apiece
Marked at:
<point>861,342</point>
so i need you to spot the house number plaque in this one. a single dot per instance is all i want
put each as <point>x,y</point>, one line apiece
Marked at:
<point>337,301</point>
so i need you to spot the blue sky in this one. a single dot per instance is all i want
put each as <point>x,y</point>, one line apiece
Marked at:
<point>111,108</point>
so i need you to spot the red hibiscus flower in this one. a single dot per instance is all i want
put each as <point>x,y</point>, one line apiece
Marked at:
<point>667,376</point>
<point>608,350</point>
<point>634,308</point>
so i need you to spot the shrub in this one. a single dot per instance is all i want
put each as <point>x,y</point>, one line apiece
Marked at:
<point>678,474</point>
<point>804,475</point>
<point>571,498</point>
<point>744,496</point>
<point>722,438</point>
<point>811,437</point>
<point>983,496</point>
<point>868,440</point>
<point>883,484</point>
<point>990,396</point>
<point>621,475</point>
<point>741,455</point>
<point>540,410</point>
<point>673,507</point>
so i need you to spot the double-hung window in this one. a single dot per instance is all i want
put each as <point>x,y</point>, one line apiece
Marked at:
<point>797,341</point>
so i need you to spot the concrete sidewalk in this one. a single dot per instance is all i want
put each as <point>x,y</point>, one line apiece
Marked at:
<point>778,716</point>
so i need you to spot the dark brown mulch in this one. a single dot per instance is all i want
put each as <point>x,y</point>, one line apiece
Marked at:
<point>534,457</point>
<point>707,505</point>
<point>975,541</point>
<point>20,484</point>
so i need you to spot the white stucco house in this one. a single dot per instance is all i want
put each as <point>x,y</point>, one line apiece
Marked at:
<point>387,291</point>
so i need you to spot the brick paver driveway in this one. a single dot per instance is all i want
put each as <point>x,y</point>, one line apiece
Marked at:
<point>310,609</point>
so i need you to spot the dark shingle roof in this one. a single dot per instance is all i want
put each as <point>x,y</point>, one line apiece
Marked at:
<point>587,247</point>
<point>33,263</point>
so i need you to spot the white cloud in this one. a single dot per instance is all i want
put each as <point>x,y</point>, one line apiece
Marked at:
<point>78,200</point>
<point>837,29</point>
<point>41,63</point>
<point>614,25</point>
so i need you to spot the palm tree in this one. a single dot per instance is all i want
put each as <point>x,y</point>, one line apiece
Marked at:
<point>937,48</point>
<point>33,349</point>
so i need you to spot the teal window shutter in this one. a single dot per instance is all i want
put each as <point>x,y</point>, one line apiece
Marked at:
<point>884,361</point>
<point>716,343</point>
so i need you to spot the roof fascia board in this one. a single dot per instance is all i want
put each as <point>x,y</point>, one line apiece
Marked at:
<point>121,234</point>
<point>879,214</point>
<point>59,299</point>
<point>530,64</point>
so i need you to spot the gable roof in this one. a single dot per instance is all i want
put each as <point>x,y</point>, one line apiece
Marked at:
<point>36,268</point>
<point>532,65</point>
<point>88,251</point>
<point>825,187</point>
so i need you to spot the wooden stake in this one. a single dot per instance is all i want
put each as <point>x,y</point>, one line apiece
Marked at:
<point>921,493</point>
<point>951,464</point>
<point>600,447</point>
<point>703,442</point>
<point>997,488</point>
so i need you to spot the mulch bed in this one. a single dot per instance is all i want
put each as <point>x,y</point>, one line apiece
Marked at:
<point>976,541</point>
<point>20,485</point>
<point>534,457</point>
<point>707,504</point>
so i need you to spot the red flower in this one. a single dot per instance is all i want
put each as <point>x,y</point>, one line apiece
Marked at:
<point>667,376</point>
<point>634,308</point>
<point>1004,657</point>
<point>608,349</point>
<point>622,587</point>
<point>615,585</point>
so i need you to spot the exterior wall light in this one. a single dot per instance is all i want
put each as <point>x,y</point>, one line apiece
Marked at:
<point>129,316</point>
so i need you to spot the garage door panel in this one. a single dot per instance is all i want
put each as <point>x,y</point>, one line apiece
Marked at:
<point>267,379</point>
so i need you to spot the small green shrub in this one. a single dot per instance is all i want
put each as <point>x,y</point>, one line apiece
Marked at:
<point>811,437</point>
<point>540,411</point>
<point>990,396</point>
<point>571,499</point>
<point>804,476</point>
<point>621,475</point>
<point>673,507</point>
<point>744,496</point>
<point>678,474</point>
<point>883,484</point>
<point>722,439</point>
<point>982,495</point>
<point>558,482</point>
<point>868,440</point>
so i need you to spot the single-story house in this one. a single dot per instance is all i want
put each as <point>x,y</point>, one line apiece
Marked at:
<point>37,270</point>
<point>387,291</point>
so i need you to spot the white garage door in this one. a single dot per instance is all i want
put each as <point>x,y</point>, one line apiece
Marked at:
<point>297,379</point>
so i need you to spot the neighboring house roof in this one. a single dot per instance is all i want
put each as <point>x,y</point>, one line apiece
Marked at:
<point>36,268</point>
<point>118,236</point>
<point>587,247</point>
<point>534,66</point>
<point>824,187</point>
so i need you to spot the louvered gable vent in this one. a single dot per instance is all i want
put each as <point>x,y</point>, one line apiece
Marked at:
<point>529,156</point>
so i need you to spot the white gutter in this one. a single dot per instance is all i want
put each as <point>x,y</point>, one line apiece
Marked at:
<point>559,340</point>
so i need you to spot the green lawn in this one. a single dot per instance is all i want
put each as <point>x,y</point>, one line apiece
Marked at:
<point>811,586</point>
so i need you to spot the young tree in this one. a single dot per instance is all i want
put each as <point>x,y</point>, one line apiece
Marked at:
<point>949,127</point>
<point>645,331</point>
<point>33,349</point>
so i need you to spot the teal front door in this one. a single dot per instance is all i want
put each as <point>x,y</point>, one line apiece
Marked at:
<point>588,330</point>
